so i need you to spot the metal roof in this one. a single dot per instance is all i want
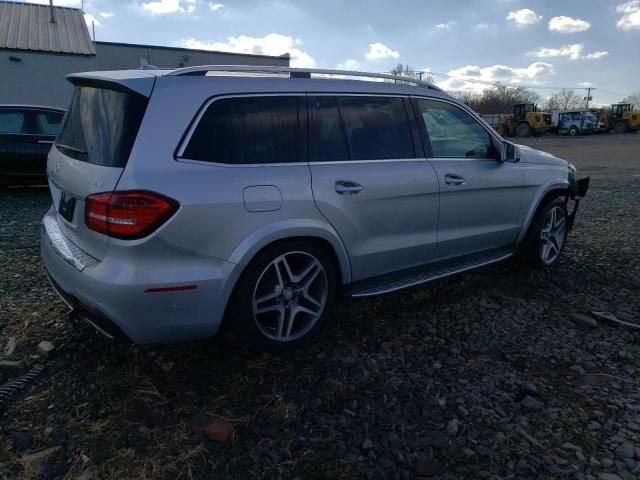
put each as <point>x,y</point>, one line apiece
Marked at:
<point>27,26</point>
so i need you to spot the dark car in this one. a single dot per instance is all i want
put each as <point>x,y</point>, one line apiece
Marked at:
<point>26,135</point>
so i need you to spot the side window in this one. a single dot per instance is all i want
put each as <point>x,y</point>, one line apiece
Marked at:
<point>453,132</point>
<point>326,133</point>
<point>14,121</point>
<point>48,122</point>
<point>248,130</point>
<point>376,128</point>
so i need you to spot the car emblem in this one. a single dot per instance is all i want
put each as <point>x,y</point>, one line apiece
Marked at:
<point>58,166</point>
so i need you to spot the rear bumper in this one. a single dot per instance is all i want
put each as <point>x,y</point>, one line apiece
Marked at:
<point>124,296</point>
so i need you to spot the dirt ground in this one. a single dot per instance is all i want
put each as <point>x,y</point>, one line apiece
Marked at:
<point>488,374</point>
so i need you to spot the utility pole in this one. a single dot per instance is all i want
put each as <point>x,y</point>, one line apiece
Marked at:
<point>587,98</point>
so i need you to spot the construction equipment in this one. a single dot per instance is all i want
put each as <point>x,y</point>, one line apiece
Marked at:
<point>621,118</point>
<point>525,121</point>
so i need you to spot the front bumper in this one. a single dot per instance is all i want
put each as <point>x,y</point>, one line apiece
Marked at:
<point>113,294</point>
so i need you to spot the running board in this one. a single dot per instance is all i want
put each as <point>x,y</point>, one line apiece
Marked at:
<point>417,276</point>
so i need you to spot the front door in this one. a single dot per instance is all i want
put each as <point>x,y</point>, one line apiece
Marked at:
<point>480,196</point>
<point>372,182</point>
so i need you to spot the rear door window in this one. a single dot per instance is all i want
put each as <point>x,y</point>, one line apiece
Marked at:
<point>376,128</point>
<point>249,130</point>
<point>14,121</point>
<point>101,125</point>
<point>48,122</point>
<point>327,142</point>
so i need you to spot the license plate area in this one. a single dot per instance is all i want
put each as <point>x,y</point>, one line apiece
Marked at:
<point>66,207</point>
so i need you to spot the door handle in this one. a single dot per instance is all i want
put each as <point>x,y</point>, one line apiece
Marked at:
<point>453,179</point>
<point>346,187</point>
<point>49,142</point>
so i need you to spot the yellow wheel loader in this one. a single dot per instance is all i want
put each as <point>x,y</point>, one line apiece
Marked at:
<point>525,121</point>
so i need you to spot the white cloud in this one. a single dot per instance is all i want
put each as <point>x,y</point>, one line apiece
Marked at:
<point>446,26</point>
<point>349,64</point>
<point>90,19</point>
<point>271,44</point>
<point>161,7</point>
<point>524,17</point>
<point>585,84</point>
<point>481,26</point>
<point>106,14</point>
<point>596,55</point>
<point>465,78</point>
<point>564,24</point>
<point>216,6</point>
<point>630,15</point>
<point>573,52</point>
<point>379,50</point>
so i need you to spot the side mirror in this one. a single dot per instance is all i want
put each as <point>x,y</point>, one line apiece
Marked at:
<point>509,153</point>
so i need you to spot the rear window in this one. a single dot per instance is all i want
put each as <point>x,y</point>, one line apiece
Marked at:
<point>249,130</point>
<point>101,125</point>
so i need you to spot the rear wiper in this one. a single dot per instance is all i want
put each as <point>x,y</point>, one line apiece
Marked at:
<point>73,149</point>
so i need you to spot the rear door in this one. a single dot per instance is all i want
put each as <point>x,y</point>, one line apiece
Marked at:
<point>90,153</point>
<point>480,196</point>
<point>372,182</point>
<point>23,145</point>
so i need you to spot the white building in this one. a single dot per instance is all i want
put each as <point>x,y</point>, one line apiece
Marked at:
<point>39,45</point>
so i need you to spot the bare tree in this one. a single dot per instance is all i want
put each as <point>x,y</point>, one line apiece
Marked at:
<point>408,71</point>
<point>497,99</point>
<point>634,99</point>
<point>565,99</point>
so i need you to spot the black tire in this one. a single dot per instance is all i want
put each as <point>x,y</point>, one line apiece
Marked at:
<point>573,131</point>
<point>523,130</point>
<point>620,127</point>
<point>241,315</point>
<point>530,249</point>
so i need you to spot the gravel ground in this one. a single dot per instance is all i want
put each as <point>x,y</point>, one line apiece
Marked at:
<point>489,374</point>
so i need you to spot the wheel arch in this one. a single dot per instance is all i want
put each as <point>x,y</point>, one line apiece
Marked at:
<point>548,191</point>
<point>287,230</point>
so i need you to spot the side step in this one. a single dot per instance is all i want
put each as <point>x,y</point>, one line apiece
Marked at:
<point>416,276</point>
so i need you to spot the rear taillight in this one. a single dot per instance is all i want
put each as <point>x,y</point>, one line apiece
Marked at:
<point>128,215</point>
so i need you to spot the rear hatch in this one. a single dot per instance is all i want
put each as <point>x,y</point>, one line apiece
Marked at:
<point>92,150</point>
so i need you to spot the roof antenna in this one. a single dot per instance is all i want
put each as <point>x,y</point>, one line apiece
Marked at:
<point>93,28</point>
<point>52,13</point>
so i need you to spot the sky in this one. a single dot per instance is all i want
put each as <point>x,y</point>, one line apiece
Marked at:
<point>542,44</point>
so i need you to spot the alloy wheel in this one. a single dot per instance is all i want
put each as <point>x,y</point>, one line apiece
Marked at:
<point>552,235</point>
<point>290,296</point>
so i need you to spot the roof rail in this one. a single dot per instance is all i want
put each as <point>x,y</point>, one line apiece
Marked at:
<point>296,73</point>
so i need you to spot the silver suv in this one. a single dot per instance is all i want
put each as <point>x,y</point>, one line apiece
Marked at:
<point>255,195</point>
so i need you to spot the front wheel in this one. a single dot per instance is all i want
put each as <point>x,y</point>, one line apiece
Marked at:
<point>547,234</point>
<point>573,131</point>
<point>285,296</point>
<point>620,127</point>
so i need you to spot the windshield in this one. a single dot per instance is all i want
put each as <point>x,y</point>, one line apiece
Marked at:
<point>101,126</point>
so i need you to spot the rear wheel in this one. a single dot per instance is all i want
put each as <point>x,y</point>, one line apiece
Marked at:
<point>620,127</point>
<point>573,131</point>
<point>547,234</point>
<point>285,296</point>
<point>523,130</point>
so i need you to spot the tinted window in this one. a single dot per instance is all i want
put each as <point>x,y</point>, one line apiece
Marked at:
<point>326,133</point>
<point>376,127</point>
<point>453,132</point>
<point>48,122</point>
<point>248,130</point>
<point>14,121</point>
<point>101,126</point>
